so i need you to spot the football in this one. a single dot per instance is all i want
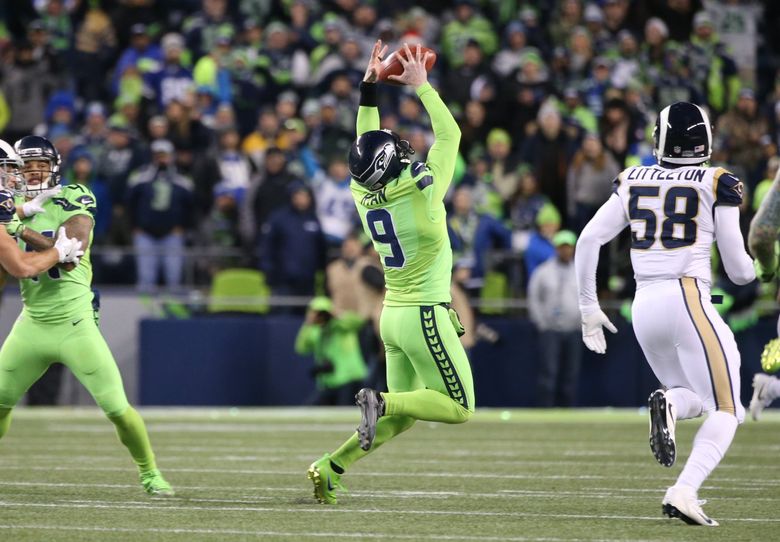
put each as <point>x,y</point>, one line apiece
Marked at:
<point>392,65</point>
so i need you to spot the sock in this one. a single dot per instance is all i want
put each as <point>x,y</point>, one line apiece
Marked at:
<point>5,420</point>
<point>132,433</point>
<point>686,403</point>
<point>774,390</point>
<point>709,446</point>
<point>425,405</point>
<point>387,427</point>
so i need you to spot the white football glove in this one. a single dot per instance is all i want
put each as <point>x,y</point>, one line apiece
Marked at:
<point>68,248</point>
<point>592,332</point>
<point>35,205</point>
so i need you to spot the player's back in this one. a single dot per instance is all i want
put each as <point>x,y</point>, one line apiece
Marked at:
<point>671,213</point>
<point>409,231</point>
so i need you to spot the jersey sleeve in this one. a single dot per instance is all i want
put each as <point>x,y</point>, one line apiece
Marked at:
<point>728,189</point>
<point>76,199</point>
<point>444,151</point>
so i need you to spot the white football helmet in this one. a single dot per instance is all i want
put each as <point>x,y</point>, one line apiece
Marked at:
<point>11,177</point>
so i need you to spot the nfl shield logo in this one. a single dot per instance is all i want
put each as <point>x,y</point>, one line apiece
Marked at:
<point>676,149</point>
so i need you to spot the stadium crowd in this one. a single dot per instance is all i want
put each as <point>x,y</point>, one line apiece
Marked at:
<point>226,123</point>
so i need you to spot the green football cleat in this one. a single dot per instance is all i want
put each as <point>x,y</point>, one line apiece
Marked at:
<point>326,481</point>
<point>770,357</point>
<point>154,484</point>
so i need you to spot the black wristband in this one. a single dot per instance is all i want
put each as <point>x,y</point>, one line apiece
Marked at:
<point>368,94</point>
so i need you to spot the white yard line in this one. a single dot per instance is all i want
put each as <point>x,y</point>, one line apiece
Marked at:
<point>159,505</point>
<point>332,534</point>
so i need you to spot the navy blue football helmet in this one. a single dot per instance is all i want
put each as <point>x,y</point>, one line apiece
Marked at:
<point>682,135</point>
<point>377,157</point>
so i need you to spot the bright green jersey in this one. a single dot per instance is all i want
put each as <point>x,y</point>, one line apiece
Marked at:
<point>406,219</point>
<point>58,295</point>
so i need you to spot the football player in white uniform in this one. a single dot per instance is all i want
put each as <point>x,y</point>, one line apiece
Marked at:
<point>762,241</point>
<point>676,209</point>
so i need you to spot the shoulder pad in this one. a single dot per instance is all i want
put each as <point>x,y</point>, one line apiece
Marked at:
<point>728,189</point>
<point>7,206</point>
<point>616,182</point>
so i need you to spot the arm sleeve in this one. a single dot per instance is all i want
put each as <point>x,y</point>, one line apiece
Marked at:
<point>609,221</point>
<point>728,189</point>
<point>731,245</point>
<point>368,112</point>
<point>765,227</point>
<point>444,152</point>
<point>535,301</point>
<point>307,337</point>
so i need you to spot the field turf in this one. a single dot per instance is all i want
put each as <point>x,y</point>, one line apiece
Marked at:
<point>506,475</point>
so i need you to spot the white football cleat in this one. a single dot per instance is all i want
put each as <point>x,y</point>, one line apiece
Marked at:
<point>683,503</point>
<point>662,422</point>
<point>760,401</point>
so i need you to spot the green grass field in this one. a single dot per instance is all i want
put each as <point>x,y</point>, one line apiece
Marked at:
<point>241,475</point>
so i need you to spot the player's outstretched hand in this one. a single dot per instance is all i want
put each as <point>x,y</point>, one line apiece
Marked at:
<point>414,73</point>
<point>375,62</point>
<point>68,248</point>
<point>35,205</point>
<point>592,332</point>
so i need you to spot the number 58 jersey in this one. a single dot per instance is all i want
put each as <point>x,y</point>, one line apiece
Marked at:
<point>672,216</point>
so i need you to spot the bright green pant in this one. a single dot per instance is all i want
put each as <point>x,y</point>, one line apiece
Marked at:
<point>428,375</point>
<point>32,346</point>
<point>78,344</point>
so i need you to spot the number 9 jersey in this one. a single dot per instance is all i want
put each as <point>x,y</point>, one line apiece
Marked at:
<point>671,212</point>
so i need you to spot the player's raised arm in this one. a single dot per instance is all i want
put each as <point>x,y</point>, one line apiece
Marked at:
<point>444,151</point>
<point>368,112</point>
<point>764,229</point>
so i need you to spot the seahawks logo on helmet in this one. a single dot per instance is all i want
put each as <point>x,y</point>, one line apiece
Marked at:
<point>682,135</point>
<point>377,157</point>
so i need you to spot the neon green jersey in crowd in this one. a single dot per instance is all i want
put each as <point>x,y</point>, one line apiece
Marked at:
<point>406,219</point>
<point>58,295</point>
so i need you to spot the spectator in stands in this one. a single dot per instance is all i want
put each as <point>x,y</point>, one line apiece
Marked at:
<point>472,236</point>
<point>94,49</point>
<point>502,164</point>
<point>302,25</point>
<point>120,156</point>
<point>340,277</point>
<point>95,130</point>
<point>292,245</point>
<point>201,29</point>
<point>267,193</point>
<point>142,54</point>
<point>568,15</point>
<point>266,134</point>
<point>82,171</point>
<point>589,181</point>
<point>553,308</point>
<point>330,137</point>
<point>213,69</point>
<point>739,133</point>
<point>275,61</point>
<point>26,85</point>
<point>619,134</point>
<point>737,22</point>
<point>468,24</point>
<point>185,130</point>
<point>524,207</point>
<point>335,206</point>
<point>548,152</point>
<point>160,209</point>
<point>339,368</point>
<point>540,247</point>
<point>474,128</point>
<point>712,69</point>
<point>220,228</point>
<point>173,81</point>
<point>234,168</point>
<point>580,54</point>
<point>652,53</point>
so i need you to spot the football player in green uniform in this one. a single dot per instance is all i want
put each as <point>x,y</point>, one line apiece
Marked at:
<point>12,260</point>
<point>401,207</point>
<point>58,322</point>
